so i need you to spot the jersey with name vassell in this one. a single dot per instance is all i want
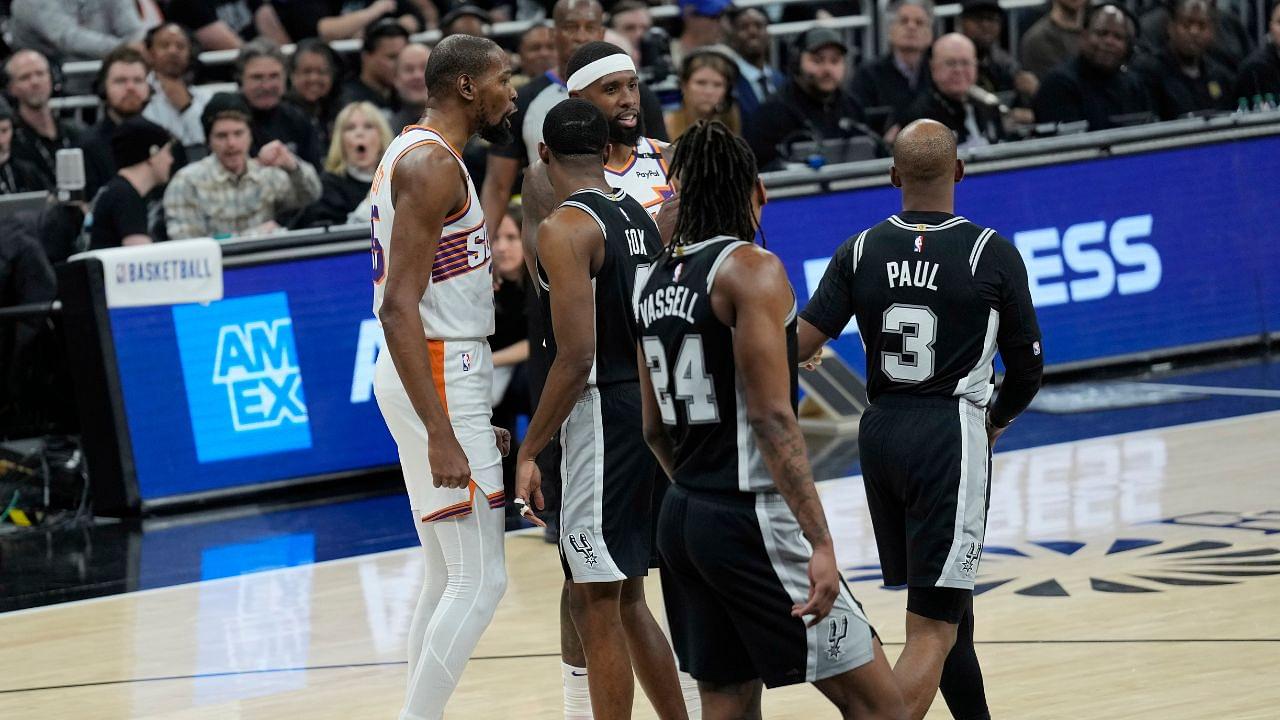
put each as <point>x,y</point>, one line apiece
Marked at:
<point>700,393</point>
<point>934,295</point>
<point>458,302</point>
<point>630,242</point>
<point>644,176</point>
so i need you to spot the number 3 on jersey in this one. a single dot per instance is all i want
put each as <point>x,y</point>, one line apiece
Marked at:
<point>692,384</point>
<point>918,327</point>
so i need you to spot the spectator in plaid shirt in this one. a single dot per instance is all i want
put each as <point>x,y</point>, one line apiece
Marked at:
<point>230,193</point>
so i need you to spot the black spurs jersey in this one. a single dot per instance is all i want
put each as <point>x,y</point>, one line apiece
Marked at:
<point>689,353</point>
<point>630,241</point>
<point>934,296</point>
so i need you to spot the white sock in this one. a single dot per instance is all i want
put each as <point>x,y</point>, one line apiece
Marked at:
<point>692,700</point>
<point>577,698</point>
<point>451,621</point>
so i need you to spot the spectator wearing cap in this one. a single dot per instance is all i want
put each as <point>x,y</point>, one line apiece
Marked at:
<point>1054,38</point>
<point>1095,86</point>
<point>261,72</point>
<point>16,175</point>
<point>360,137</point>
<point>38,133</point>
<point>982,21</point>
<point>121,214</point>
<point>376,82</point>
<point>707,77</point>
<point>465,20</point>
<point>411,86</point>
<point>175,104</point>
<point>953,64</point>
<point>1182,78</point>
<point>703,25</point>
<point>574,24</point>
<point>313,85</point>
<point>332,20</point>
<point>1260,74</point>
<point>757,77</point>
<point>813,106</point>
<point>231,193</point>
<point>75,29</point>
<point>884,87</point>
<point>122,85</point>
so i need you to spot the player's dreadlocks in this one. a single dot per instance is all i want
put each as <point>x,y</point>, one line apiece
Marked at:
<point>717,174</point>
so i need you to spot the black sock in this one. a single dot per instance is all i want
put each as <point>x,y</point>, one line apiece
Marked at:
<point>962,678</point>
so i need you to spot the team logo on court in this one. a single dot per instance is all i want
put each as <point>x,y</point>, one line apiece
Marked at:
<point>836,633</point>
<point>971,556</point>
<point>243,378</point>
<point>582,546</point>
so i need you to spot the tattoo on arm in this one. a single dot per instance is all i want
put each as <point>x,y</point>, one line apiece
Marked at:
<point>785,454</point>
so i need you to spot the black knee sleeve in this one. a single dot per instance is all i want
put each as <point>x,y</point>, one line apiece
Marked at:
<point>939,603</point>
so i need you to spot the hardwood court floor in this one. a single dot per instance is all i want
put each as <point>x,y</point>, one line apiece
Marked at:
<point>1132,576</point>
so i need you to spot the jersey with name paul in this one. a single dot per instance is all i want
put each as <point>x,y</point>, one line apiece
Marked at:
<point>630,242</point>
<point>690,359</point>
<point>934,296</point>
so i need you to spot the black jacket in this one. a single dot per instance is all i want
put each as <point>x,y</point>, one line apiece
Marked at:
<point>1174,93</point>
<point>1260,74</point>
<point>1076,90</point>
<point>290,126</point>
<point>792,115</point>
<point>341,195</point>
<point>878,83</point>
<point>936,106</point>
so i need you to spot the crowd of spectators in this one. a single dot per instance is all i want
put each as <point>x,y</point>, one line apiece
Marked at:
<point>295,143</point>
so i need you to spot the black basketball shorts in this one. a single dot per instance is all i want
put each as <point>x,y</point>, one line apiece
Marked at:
<point>926,466</point>
<point>606,515</point>
<point>734,564</point>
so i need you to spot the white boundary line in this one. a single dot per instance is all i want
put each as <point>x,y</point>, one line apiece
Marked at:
<point>360,558</point>
<point>1212,390</point>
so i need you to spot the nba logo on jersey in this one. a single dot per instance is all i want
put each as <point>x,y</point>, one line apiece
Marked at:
<point>466,362</point>
<point>1035,348</point>
<point>919,243</point>
<point>675,276</point>
<point>242,376</point>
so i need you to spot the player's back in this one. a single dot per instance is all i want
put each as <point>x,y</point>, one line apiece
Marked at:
<point>630,241</point>
<point>926,325</point>
<point>689,353</point>
<point>458,302</point>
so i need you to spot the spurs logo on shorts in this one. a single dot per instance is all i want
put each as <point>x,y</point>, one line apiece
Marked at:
<point>582,546</point>
<point>836,635</point>
<point>970,564</point>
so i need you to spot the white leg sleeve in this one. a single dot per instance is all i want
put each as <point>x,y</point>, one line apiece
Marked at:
<point>434,578</point>
<point>474,560</point>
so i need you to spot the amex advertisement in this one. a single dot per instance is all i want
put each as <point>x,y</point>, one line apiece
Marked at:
<point>1124,255</point>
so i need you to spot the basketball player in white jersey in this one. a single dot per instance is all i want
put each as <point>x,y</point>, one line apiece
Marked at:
<point>604,75</point>
<point>433,294</point>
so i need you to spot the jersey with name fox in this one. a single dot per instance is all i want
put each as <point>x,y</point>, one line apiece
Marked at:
<point>644,176</point>
<point>630,242</point>
<point>934,296</point>
<point>458,301</point>
<point>690,357</point>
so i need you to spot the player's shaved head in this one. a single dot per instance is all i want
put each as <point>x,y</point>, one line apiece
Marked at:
<point>564,8</point>
<point>924,152</point>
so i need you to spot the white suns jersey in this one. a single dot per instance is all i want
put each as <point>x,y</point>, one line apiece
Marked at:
<point>458,303</point>
<point>644,177</point>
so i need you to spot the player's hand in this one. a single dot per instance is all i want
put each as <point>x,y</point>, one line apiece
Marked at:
<point>993,433</point>
<point>503,437</point>
<point>824,584</point>
<point>449,466</point>
<point>812,363</point>
<point>529,489</point>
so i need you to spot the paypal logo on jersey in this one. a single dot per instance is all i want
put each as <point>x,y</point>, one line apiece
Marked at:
<point>244,382</point>
<point>1101,262</point>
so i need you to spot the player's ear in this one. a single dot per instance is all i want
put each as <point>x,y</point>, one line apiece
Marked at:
<point>608,148</point>
<point>466,86</point>
<point>959,169</point>
<point>574,94</point>
<point>544,155</point>
<point>893,176</point>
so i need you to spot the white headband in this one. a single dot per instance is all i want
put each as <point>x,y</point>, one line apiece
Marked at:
<point>593,71</point>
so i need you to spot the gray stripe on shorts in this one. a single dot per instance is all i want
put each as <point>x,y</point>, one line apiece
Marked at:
<point>582,511</point>
<point>961,566</point>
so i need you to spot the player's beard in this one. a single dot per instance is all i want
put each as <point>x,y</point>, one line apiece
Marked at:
<point>499,133</point>
<point>620,135</point>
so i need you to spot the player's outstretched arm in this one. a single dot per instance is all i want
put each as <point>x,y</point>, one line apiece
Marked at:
<point>570,245</point>
<point>831,307</point>
<point>425,187</point>
<point>651,417</point>
<point>752,294</point>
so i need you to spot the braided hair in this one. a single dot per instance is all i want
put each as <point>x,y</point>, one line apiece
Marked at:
<point>717,174</point>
